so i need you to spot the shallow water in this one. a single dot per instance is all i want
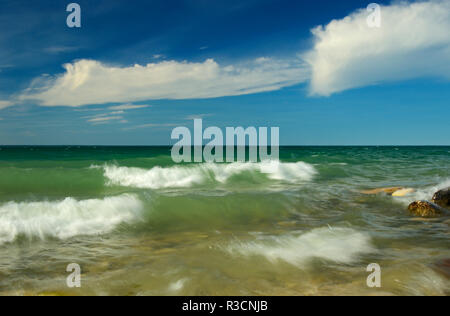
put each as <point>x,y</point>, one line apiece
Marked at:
<point>139,225</point>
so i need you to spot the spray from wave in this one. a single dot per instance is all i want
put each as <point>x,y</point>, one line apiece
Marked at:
<point>423,193</point>
<point>341,245</point>
<point>188,176</point>
<point>67,218</point>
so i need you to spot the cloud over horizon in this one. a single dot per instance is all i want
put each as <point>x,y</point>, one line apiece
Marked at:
<point>412,42</point>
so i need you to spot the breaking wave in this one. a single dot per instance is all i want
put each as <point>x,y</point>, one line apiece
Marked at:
<point>67,218</point>
<point>425,193</point>
<point>187,176</point>
<point>341,245</point>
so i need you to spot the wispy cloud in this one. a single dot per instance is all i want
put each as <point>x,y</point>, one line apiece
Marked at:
<point>91,82</point>
<point>125,107</point>
<point>346,54</point>
<point>5,104</point>
<point>105,119</point>
<point>89,110</point>
<point>115,114</point>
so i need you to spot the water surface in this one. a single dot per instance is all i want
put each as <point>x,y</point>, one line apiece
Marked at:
<point>138,224</point>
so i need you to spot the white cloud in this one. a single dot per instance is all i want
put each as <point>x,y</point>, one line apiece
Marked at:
<point>95,116</point>
<point>106,117</point>
<point>5,104</point>
<point>413,41</point>
<point>102,119</point>
<point>91,82</point>
<point>125,107</point>
<point>89,110</point>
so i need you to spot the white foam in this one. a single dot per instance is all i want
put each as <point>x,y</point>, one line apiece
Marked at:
<point>187,176</point>
<point>424,193</point>
<point>426,283</point>
<point>66,218</point>
<point>177,286</point>
<point>342,245</point>
<point>339,164</point>
<point>155,178</point>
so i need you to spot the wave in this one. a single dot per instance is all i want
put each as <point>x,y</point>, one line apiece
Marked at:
<point>423,193</point>
<point>187,176</point>
<point>341,245</point>
<point>67,218</point>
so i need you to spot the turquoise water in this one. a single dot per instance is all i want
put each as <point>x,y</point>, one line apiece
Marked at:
<point>138,224</point>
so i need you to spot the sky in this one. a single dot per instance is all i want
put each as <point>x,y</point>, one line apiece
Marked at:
<point>321,71</point>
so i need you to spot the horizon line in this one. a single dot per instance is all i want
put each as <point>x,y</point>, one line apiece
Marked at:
<point>169,145</point>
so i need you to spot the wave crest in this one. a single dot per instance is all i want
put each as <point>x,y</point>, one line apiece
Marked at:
<point>341,245</point>
<point>187,176</point>
<point>67,218</point>
<point>425,193</point>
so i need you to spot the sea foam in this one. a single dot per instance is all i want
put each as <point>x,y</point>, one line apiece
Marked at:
<point>425,193</point>
<point>67,218</point>
<point>187,176</point>
<point>341,245</point>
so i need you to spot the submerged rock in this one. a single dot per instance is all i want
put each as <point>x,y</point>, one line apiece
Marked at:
<point>389,191</point>
<point>403,192</point>
<point>426,209</point>
<point>442,198</point>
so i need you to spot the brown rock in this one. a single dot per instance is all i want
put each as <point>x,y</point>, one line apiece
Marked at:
<point>403,192</point>
<point>389,191</point>
<point>426,209</point>
<point>442,198</point>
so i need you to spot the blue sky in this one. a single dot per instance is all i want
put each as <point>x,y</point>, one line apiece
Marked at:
<point>138,69</point>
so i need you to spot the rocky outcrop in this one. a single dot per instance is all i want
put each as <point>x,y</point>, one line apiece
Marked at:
<point>426,209</point>
<point>442,198</point>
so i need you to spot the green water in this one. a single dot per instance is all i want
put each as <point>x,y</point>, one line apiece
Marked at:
<point>138,224</point>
